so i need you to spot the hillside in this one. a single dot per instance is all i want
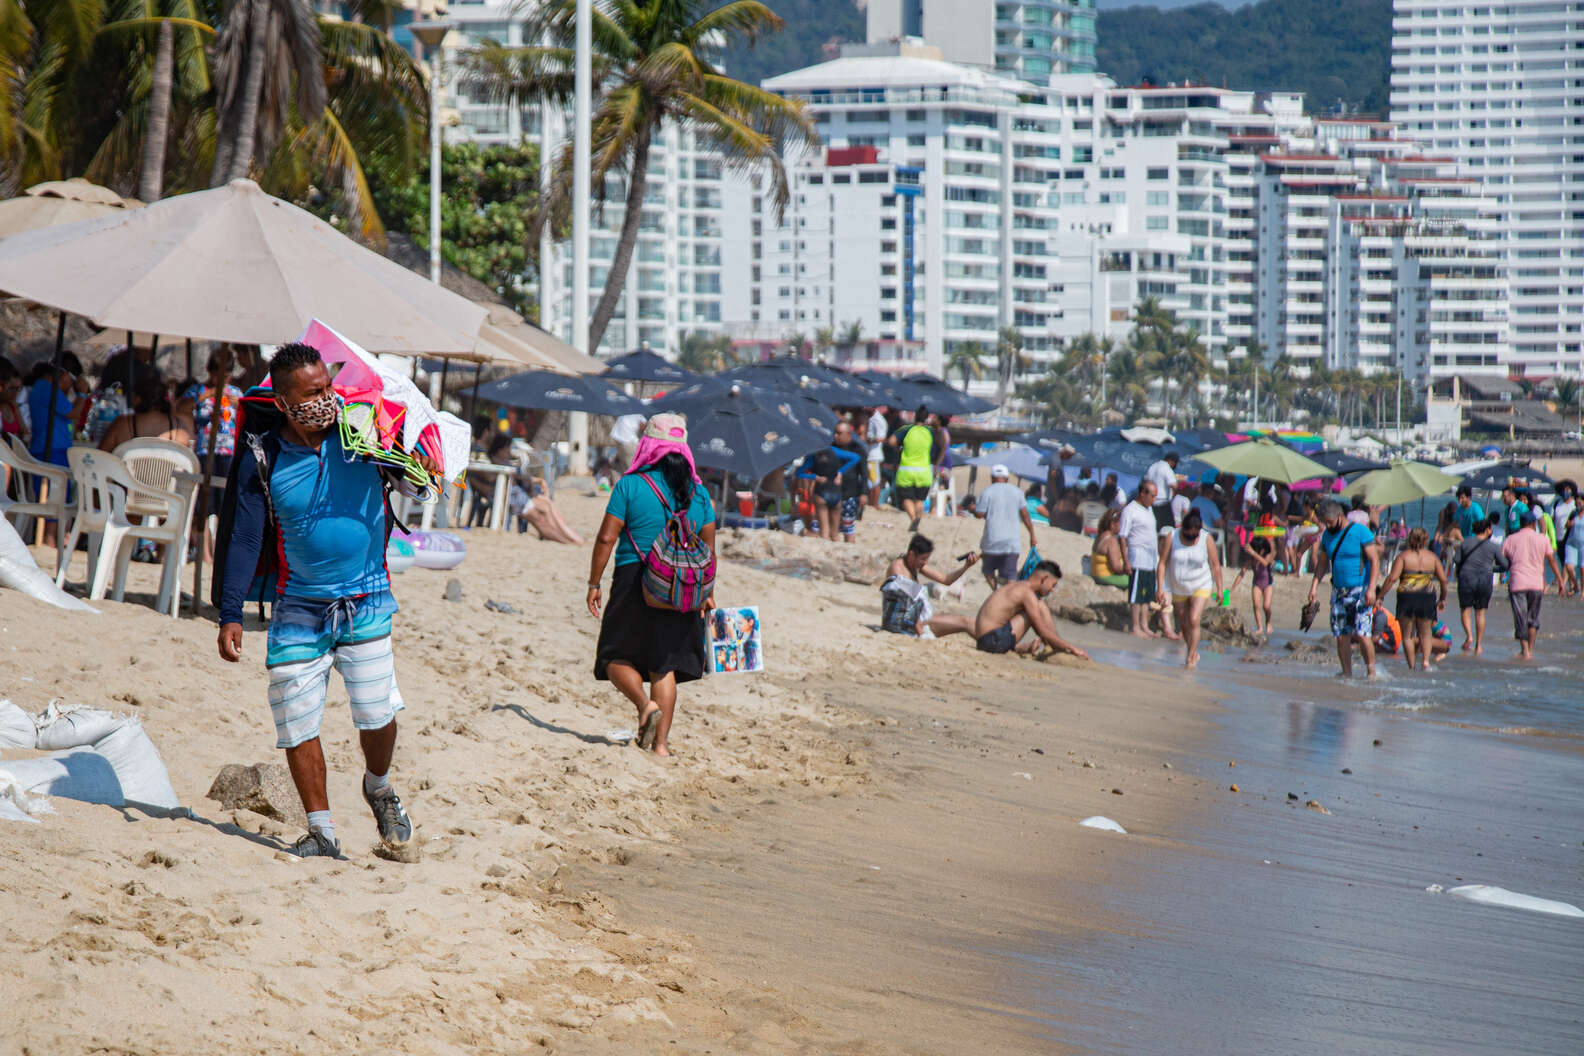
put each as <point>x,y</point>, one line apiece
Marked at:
<point>1334,51</point>
<point>810,25</point>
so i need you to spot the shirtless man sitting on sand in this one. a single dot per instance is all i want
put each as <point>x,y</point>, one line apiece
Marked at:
<point>1018,607</point>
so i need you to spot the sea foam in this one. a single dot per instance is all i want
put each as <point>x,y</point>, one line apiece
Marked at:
<point>1500,896</point>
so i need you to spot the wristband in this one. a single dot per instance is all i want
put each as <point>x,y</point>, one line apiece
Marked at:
<point>594,586</point>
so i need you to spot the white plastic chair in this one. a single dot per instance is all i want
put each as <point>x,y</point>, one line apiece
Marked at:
<point>943,496</point>
<point>105,487</point>
<point>154,463</point>
<point>51,503</point>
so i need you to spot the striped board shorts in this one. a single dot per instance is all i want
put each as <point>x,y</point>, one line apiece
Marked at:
<point>308,637</point>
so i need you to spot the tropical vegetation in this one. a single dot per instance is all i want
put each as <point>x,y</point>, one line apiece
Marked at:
<point>156,97</point>
<point>490,192</point>
<point>1337,53</point>
<point>1163,369</point>
<point>654,63</point>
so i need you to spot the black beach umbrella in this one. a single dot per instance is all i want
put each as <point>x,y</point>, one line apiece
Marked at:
<point>1341,463</point>
<point>750,432</point>
<point>644,365</point>
<point>1497,477</point>
<point>892,391</point>
<point>795,374</point>
<point>941,398</point>
<point>698,396</point>
<point>540,390</point>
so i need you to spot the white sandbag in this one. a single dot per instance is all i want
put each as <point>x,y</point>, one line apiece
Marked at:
<point>72,727</point>
<point>101,758</point>
<point>20,572</point>
<point>16,804</point>
<point>17,729</point>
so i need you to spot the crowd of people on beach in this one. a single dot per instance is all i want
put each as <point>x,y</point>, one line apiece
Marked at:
<point>293,493</point>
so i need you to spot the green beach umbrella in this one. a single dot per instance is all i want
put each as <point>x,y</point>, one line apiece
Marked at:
<point>1264,458</point>
<point>1402,482</point>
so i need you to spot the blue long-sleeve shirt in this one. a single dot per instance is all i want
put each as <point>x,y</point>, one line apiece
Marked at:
<point>819,463</point>
<point>331,516</point>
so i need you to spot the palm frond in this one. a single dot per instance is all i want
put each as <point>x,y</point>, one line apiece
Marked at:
<point>745,20</point>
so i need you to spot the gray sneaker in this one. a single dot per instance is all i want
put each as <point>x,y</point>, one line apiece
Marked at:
<point>395,827</point>
<point>315,844</point>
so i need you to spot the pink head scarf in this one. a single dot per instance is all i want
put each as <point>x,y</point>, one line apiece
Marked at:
<point>665,433</point>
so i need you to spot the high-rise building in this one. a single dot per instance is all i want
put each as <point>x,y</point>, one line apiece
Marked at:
<point>927,217</point>
<point>1031,39</point>
<point>1497,90</point>
<point>674,280</point>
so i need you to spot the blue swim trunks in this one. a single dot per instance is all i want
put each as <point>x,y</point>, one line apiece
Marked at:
<point>306,628</point>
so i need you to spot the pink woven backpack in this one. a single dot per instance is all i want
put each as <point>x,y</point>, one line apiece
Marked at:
<point>679,569</point>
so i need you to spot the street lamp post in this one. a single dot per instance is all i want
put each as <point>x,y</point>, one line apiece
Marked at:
<point>431,33</point>
<point>582,92</point>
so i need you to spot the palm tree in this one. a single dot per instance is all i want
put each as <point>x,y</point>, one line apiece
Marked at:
<point>796,342</point>
<point>654,61</point>
<point>1130,376</point>
<point>378,105</point>
<point>263,50</point>
<point>43,45</point>
<point>964,357</point>
<point>1009,360</point>
<point>704,353</point>
<point>850,336</point>
<point>190,66</point>
<point>824,341</point>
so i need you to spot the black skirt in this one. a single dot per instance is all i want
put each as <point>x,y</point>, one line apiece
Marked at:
<point>656,642</point>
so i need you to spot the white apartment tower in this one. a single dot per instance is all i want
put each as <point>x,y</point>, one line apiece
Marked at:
<point>1498,90</point>
<point>928,217</point>
<point>1031,39</point>
<point>674,282</point>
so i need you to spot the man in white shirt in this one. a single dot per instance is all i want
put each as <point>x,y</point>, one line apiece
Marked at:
<point>624,434</point>
<point>1163,474</point>
<point>874,436</point>
<point>1138,535</point>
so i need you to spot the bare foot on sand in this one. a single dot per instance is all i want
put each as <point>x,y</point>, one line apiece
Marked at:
<point>1144,634</point>
<point>1173,636</point>
<point>1468,647</point>
<point>1480,651</point>
<point>1191,663</point>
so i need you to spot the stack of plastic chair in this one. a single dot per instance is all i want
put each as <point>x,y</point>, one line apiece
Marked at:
<point>48,483</point>
<point>105,487</point>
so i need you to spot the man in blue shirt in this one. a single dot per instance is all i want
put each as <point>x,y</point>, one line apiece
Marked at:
<point>333,604</point>
<point>49,444</point>
<point>1470,514</point>
<point>1349,552</point>
<point>1517,509</point>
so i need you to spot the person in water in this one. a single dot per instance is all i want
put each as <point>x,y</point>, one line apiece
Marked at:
<point>1018,608</point>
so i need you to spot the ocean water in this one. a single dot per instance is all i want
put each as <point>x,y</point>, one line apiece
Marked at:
<point>1268,927</point>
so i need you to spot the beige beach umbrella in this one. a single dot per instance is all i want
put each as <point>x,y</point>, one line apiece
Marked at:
<point>60,202</point>
<point>534,346</point>
<point>234,264</point>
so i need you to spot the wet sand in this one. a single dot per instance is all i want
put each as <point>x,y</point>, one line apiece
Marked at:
<point>886,914</point>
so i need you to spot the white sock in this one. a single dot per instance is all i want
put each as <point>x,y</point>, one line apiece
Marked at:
<point>373,783</point>
<point>321,820</point>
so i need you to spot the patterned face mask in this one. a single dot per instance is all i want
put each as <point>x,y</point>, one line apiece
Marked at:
<point>317,413</point>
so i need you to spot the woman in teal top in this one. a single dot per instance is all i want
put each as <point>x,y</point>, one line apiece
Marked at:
<point>639,644</point>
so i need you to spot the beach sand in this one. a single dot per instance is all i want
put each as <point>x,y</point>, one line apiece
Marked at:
<point>814,873</point>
